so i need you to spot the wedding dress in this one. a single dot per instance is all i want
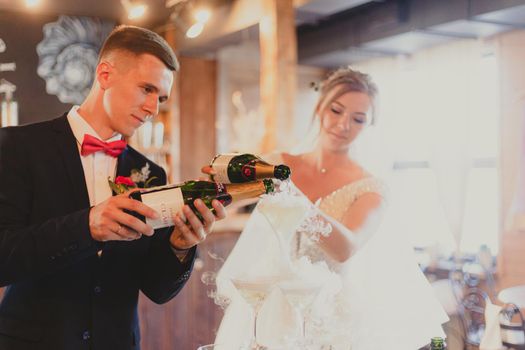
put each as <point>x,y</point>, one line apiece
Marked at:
<point>378,299</point>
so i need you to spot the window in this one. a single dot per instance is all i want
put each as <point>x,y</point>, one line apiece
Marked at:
<point>439,126</point>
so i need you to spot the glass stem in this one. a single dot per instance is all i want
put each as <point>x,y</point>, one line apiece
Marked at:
<point>304,327</point>
<point>256,314</point>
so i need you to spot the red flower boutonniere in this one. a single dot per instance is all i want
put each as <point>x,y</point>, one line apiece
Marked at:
<point>137,179</point>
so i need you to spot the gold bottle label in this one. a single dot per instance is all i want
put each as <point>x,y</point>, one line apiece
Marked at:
<point>246,190</point>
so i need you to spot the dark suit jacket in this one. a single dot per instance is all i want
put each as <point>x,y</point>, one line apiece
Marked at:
<point>61,294</point>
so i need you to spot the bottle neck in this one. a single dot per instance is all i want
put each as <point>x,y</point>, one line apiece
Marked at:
<point>246,190</point>
<point>264,171</point>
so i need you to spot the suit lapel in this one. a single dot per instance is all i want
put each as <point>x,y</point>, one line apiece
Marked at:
<point>124,166</point>
<point>68,150</point>
<point>124,163</point>
<point>130,160</point>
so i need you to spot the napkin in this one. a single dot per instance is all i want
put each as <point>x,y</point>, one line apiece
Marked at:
<point>491,339</point>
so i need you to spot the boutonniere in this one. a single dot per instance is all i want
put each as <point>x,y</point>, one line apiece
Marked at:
<point>137,179</point>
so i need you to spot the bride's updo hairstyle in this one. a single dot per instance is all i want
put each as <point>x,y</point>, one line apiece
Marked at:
<point>341,81</point>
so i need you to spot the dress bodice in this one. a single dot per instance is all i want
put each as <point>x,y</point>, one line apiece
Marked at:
<point>337,202</point>
<point>336,205</point>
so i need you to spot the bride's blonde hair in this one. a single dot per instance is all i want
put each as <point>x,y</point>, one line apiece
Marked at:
<point>341,81</point>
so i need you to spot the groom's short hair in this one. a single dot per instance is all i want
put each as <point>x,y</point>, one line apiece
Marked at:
<point>139,41</point>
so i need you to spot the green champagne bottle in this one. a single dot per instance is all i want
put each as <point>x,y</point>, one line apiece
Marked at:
<point>168,200</point>
<point>238,168</point>
<point>437,343</point>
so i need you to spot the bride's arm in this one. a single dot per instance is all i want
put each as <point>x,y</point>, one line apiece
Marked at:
<point>341,243</point>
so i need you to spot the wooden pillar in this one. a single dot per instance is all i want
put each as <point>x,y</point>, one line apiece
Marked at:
<point>511,53</point>
<point>191,111</point>
<point>198,95</point>
<point>278,48</point>
<point>173,117</point>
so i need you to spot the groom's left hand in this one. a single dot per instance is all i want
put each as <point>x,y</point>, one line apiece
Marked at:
<point>191,233</point>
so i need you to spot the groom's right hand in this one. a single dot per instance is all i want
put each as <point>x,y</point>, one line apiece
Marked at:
<point>109,222</point>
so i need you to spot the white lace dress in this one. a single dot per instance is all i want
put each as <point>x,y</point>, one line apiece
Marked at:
<point>380,299</point>
<point>335,205</point>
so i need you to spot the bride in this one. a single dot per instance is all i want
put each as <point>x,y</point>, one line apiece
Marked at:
<point>379,299</point>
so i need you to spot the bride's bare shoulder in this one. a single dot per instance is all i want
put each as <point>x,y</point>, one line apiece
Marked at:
<point>273,157</point>
<point>281,157</point>
<point>290,158</point>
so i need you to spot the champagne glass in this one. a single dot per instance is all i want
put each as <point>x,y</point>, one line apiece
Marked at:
<point>212,347</point>
<point>221,347</point>
<point>284,214</point>
<point>255,291</point>
<point>208,347</point>
<point>301,294</point>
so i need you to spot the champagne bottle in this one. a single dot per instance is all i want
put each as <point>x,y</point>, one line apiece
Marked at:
<point>437,343</point>
<point>237,168</point>
<point>168,200</point>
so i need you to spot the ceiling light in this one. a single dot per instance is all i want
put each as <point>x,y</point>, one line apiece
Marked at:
<point>32,3</point>
<point>195,30</point>
<point>202,15</point>
<point>135,9</point>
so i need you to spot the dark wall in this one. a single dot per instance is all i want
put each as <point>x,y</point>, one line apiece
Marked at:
<point>21,33</point>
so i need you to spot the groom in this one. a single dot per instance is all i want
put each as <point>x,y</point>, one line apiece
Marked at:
<point>71,257</point>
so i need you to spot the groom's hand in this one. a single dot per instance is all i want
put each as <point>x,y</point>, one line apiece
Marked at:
<point>109,222</point>
<point>208,170</point>
<point>191,233</point>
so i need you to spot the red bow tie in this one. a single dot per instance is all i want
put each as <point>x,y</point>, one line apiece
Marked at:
<point>92,144</point>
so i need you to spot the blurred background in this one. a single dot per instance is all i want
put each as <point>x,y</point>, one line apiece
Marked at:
<point>448,141</point>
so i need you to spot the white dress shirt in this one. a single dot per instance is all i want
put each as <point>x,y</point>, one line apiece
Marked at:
<point>98,166</point>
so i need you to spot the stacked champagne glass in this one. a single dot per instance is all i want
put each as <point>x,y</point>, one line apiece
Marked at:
<point>284,213</point>
<point>246,168</point>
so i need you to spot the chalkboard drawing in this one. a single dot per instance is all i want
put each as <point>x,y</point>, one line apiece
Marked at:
<point>68,55</point>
